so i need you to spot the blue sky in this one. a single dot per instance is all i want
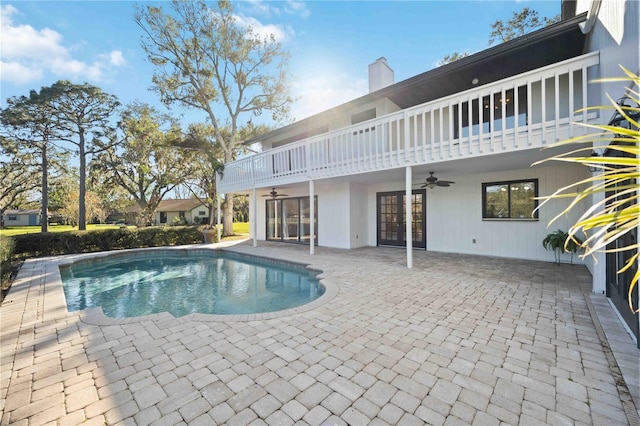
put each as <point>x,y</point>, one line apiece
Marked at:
<point>331,43</point>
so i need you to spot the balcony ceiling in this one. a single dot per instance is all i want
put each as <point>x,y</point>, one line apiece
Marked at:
<point>549,45</point>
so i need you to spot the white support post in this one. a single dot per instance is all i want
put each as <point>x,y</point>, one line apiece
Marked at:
<point>312,217</point>
<point>254,218</point>
<point>407,210</point>
<point>218,227</point>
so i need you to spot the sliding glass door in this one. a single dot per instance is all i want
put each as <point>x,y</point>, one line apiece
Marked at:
<point>289,219</point>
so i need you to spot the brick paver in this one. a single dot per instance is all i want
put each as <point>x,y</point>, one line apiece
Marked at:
<point>455,340</point>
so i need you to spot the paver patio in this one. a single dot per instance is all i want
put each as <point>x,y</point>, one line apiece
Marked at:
<point>456,340</point>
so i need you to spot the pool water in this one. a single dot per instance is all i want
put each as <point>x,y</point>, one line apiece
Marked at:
<point>185,283</point>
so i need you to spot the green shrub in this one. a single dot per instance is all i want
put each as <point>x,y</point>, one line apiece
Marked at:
<point>49,244</point>
<point>7,246</point>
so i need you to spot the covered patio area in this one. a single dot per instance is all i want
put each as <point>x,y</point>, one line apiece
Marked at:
<point>457,339</point>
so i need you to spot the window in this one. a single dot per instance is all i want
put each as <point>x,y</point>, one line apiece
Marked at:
<point>461,122</point>
<point>181,215</point>
<point>201,213</point>
<point>510,200</point>
<point>13,217</point>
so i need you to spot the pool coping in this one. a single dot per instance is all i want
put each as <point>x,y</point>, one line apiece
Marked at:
<point>95,316</point>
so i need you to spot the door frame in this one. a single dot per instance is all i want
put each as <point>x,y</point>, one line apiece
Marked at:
<point>280,223</point>
<point>401,241</point>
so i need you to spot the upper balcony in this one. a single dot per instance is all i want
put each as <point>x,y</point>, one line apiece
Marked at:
<point>524,112</point>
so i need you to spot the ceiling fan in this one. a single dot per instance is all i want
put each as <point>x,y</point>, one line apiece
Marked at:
<point>432,182</point>
<point>274,194</point>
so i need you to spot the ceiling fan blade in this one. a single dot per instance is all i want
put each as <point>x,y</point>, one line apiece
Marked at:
<point>443,184</point>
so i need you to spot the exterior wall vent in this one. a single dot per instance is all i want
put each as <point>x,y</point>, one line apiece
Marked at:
<point>380,75</point>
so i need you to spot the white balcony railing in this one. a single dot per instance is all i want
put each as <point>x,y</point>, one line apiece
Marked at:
<point>526,111</point>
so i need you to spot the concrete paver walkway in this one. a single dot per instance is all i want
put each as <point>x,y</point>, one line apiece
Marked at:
<point>455,340</point>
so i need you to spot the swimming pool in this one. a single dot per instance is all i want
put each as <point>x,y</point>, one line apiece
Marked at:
<point>186,282</point>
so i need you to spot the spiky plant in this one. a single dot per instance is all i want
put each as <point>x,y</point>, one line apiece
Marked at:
<point>560,242</point>
<point>617,177</point>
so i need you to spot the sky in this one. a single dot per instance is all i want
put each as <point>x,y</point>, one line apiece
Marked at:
<point>331,43</point>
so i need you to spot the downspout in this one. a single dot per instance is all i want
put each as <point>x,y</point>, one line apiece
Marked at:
<point>312,217</point>
<point>218,227</point>
<point>598,284</point>
<point>254,222</point>
<point>408,218</point>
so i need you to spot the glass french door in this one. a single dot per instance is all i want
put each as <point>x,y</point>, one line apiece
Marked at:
<point>391,219</point>
<point>289,219</point>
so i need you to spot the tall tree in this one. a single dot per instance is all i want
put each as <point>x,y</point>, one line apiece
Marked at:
<point>83,112</point>
<point>202,182</point>
<point>520,23</point>
<point>19,171</point>
<point>144,162</point>
<point>452,58</point>
<point>201,138</point>
<point>114,200</point>
<point>69,210</point>
<point>204,59</point>
<point>59,189</point>
<point>29,121</point>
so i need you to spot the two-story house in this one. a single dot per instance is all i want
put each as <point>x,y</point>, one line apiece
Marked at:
<point>442,161</point>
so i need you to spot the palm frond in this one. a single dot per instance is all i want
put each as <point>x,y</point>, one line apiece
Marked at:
<point>618,178</point>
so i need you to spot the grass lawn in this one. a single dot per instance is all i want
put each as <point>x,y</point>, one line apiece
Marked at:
<point>239,228</point>
<point>19,230</point>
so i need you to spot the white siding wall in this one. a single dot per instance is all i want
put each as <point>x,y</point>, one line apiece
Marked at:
<point>454,216</point>
<point>333,214</point>
<point>358,210</point>
<point>615,35</point>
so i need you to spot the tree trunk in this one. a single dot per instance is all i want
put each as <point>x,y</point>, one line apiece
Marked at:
<point>227,206</point>
<point>145,218</point>
<point>227,216</point>
<point>44,221</point>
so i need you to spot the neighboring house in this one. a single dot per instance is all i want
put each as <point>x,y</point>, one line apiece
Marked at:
<point>187,211</point>
<point>479,122</point>
<point>22,217</point>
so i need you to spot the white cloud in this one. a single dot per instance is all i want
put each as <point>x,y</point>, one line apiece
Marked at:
<point>291,7</point>
<point>17,73</point>
<point>115,58</point>
<point>28,53</point>
<point>320,93</point>
<point>262,7</point>
<point>279,32</point>
<point>297,8</point>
